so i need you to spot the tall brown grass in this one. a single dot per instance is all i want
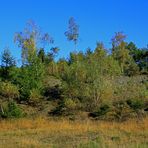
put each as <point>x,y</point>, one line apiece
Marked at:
<point>41,132</point>
<point>55,125</point>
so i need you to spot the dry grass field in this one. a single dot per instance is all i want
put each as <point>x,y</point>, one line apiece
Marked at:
<point>46,133</point>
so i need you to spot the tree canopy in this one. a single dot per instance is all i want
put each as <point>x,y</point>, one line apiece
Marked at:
<point>105,84</point>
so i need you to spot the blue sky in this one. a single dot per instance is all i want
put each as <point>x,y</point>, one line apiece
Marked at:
<point>98,21</point>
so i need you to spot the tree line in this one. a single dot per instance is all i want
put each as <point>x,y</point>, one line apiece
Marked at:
<point>105,83</point>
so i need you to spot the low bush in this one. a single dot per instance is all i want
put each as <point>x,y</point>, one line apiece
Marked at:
<point>104,109</point>
<point>135,104</point>
<point>34,97</point>
<point>11,110</point>
<point>66,107</point>
<point>8,90</point>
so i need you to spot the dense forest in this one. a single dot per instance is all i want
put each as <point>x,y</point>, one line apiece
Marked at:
<point>100,83</point>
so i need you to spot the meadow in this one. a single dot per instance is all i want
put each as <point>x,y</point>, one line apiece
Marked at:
<point>62,133</point>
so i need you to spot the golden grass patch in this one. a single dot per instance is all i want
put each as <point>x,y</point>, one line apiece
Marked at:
<point>41,132</point>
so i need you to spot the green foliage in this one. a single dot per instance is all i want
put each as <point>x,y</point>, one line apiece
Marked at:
<point>90,80</point>
<point>8,64</point>
<point>49,57</point>
<point>136,104</point>
<point>29,41</point>
<point>30,77</point>
<point>121,53</point>
<point>110,85</point>
<point>103,109</point>
<point>34,97</point>
<point>130,88</point>
<point>11,110</point>
<point>69,104</point>
<point>9,90</point>
<point>7,59</point>
<point>139,56</point>
<point>66,107</point>
<point>52,88</point>
<point>120,110</point>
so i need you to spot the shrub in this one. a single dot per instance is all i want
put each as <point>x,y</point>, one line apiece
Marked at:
<point>135,104</point>
<point>120,110</point>
<point>130,88</point>
<point>59,110</point>
<point>70,104</point>
<point>11,110</point>
<point>9,90</point>
<point>34,97</point>
<point>65,107</point>
<point>52,88</point>
<point>104,109</point>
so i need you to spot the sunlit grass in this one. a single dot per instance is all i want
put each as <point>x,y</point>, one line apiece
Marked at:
<point>41,132</point>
